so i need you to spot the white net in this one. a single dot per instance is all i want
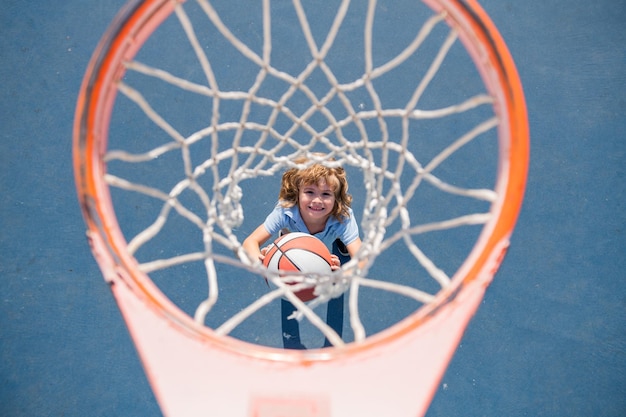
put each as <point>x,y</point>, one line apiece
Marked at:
<point>220,102</point>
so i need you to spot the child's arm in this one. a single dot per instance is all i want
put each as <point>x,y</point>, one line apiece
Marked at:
<point>252,244</point>
<point>353,248</point>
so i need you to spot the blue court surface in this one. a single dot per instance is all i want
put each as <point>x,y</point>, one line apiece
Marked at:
<point>550,336</point>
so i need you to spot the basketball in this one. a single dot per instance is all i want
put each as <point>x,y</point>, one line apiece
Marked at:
<point>299,252</point>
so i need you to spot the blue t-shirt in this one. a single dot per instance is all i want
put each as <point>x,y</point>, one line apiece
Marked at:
<point>289,217</point>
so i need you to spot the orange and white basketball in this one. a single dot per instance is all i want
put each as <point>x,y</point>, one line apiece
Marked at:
<point>299,252</point>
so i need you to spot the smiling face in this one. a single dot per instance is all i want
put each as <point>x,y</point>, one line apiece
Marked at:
<point>329,183</point>
<point>316,203</point>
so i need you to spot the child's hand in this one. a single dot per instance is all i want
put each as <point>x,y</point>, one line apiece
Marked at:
<point>335,262</point>
<point>263,252</point>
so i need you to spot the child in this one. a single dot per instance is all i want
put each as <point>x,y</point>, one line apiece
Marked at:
<point>312,200</point>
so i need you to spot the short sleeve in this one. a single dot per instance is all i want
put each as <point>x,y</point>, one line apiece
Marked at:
<point>350,230</point>
<point>275,221</point>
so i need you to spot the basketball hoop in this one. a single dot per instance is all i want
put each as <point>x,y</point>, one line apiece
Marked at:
<point>315,83</point>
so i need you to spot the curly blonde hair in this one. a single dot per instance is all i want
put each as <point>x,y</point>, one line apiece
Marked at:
<point>336,178</point>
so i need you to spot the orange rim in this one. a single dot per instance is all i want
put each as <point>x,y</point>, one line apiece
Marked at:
<point>125,37</point>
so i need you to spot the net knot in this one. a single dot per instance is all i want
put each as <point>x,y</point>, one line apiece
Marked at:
<point>231,211</point>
